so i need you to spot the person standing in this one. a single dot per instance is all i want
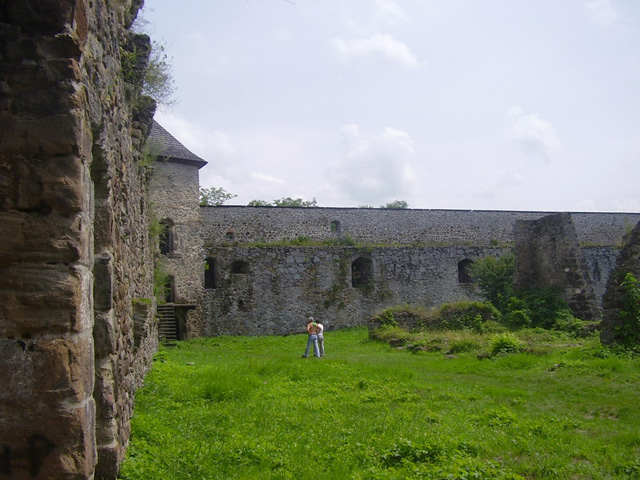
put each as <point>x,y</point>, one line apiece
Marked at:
<point>320,339</point>
<point>312,330</point>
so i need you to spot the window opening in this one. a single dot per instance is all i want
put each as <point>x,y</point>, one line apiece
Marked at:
<point>240,266</point>
<point>210,273</point>
<point>464,271</point>
<point>170,290</point>
<point>336,226</point>
<point>362,272</point>
<point>167,236</point>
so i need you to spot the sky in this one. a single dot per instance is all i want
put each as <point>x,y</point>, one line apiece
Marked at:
<point>446,104</point>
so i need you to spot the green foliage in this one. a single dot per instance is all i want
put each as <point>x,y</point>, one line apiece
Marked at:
<point>462,346</point>
<point>543,306</point>
<point>518,318</point>
<point>157,81</point>
<point>505,343</point>
<point>396,204</point>
<point>298,202</point>
<point>160,280</point>
<point>258,203</point>
<point>628,331</point>
<point>386,318</point>
<point>566,322</point>
<point>463,314</point>
<point>494,278</point>
<point>344,240</point>
<point>214,196</point>
<point>301,240</point>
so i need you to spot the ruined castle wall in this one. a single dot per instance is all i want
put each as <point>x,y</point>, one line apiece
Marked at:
<point>272,290</point>
<point>236,224</point>
<point>616,328</point>
<point>282,285</point>
<point>547,255</point>
<point>76,330</point>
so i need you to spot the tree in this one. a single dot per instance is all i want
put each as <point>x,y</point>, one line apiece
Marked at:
<point>298,202</point>
<point>397,204</point>
<point>258,203</point>
<point>214,196</point>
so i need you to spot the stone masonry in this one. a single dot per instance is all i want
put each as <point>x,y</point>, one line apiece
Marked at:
<point>76,267</point>
<point>629,262</point>
<point>418,257</point>
<point>547,255</point>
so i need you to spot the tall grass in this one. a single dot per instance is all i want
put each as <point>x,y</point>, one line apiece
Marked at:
<point>251,408</point>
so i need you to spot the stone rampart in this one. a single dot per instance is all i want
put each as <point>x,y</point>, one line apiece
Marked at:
<point>414,256</point>
<point>272,290</point>
<point>242,225</point>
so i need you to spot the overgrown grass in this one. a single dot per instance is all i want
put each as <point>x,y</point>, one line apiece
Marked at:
<point>251,408</point>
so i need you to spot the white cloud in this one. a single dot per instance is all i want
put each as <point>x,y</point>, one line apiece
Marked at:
<point>266,178</point>
<point>602,12</point>
<point>378,48</point>
<point>390,11</point>
<point>375,168</point>
<point>531,133</point>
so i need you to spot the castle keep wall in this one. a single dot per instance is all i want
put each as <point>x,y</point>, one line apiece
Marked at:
<point>76,329</point>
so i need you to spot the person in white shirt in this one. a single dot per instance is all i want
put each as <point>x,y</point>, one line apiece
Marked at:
<point>321,339</point>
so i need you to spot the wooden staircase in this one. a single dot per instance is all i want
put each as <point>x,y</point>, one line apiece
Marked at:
<point>167,324</point>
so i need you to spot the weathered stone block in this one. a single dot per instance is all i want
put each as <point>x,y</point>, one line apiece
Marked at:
<point>45,17</point>
<point>44,372</point>
<point>45,298</point>
<point>44,238</point>
<point>44,136</point>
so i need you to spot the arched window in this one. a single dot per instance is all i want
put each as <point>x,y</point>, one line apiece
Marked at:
<point>166,236</point>
<point>464,271</point>
<point>362,272</point>
<point>240,266</point>
<point>210,273</point>
<point>336,226</point>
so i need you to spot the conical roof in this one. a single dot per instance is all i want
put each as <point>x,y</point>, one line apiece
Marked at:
<point>167,147</point>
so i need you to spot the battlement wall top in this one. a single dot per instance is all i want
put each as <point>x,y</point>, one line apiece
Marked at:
<point>244,225</point>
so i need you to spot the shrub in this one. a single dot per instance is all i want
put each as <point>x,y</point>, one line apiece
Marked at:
<point>566,322</point>
<point>628,331</point>
<point>505,343</point>
<point>543,306</point>
<point>463,346</point>
<point>518,318</point>
<point>463,314</point>
<point>494,278</point>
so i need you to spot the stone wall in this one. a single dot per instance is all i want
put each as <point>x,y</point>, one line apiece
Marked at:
<point>547,255</point>
<point>242,225</point>
<point>76,324</point>
<point>629,262</point>
<point>275,288</point>
<point>272,290</point>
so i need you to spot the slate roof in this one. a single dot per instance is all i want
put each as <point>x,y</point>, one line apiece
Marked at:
<point>168,148</point>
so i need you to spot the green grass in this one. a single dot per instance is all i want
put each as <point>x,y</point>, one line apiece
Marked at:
<point>251,408</point>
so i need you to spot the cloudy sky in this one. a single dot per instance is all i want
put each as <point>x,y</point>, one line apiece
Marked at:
<point>455,104</point>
